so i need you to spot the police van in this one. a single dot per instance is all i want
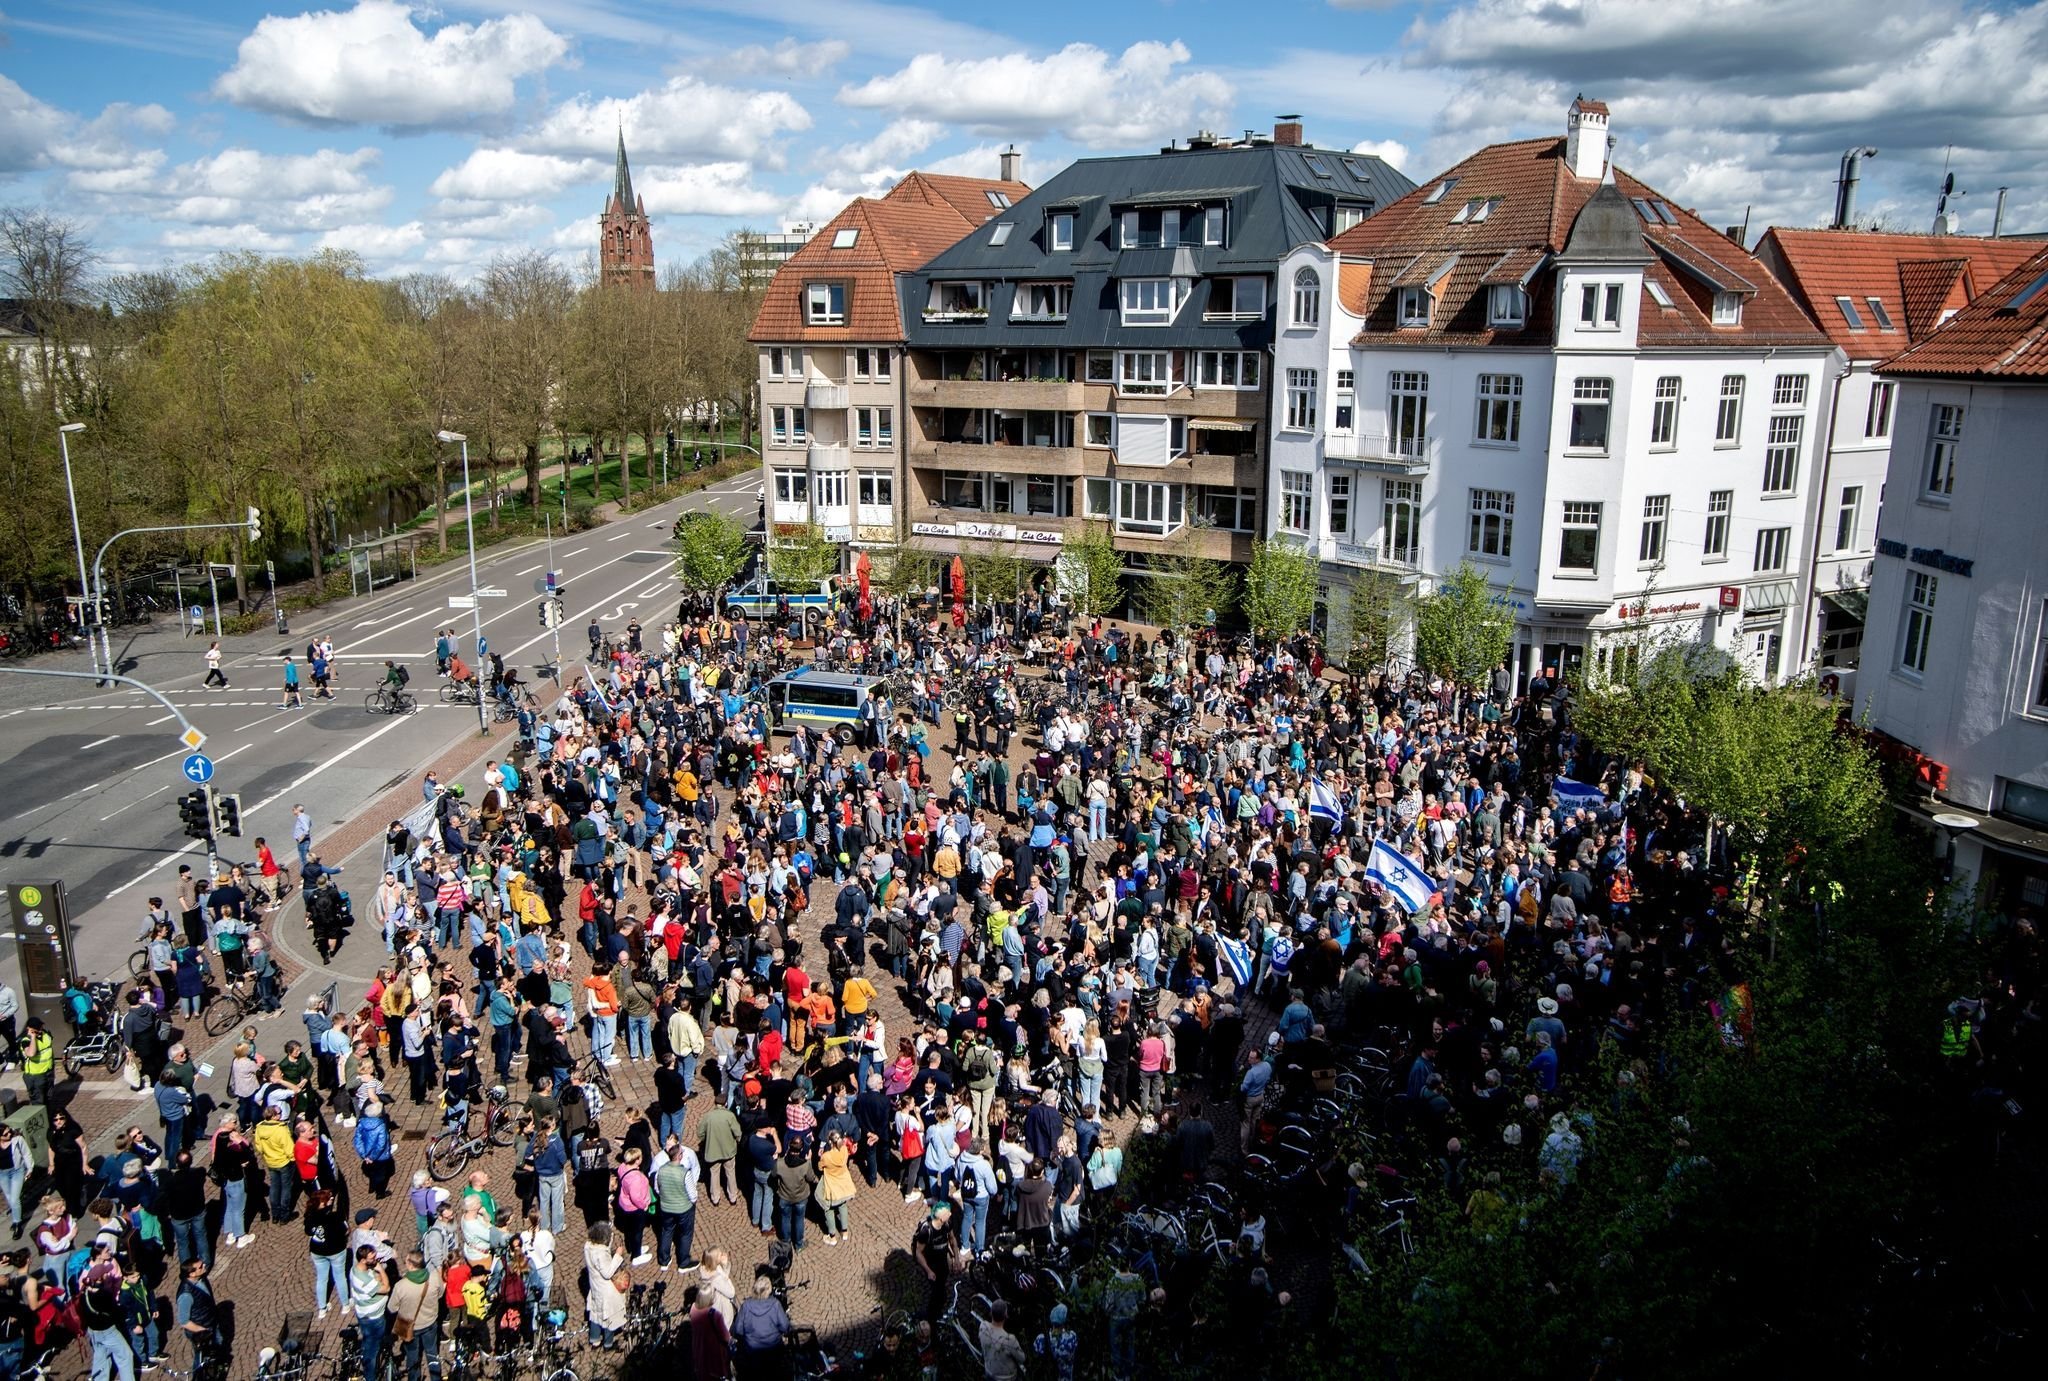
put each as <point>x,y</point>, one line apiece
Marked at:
<point>835,701</point>
<point>761,597</point>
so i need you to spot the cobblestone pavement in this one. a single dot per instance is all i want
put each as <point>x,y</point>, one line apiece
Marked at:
<point>840,1289</point>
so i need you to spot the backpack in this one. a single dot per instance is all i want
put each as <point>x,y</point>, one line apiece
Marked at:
<point>404,676</point>
<point>99,1302</point>
<point>475,1303</point>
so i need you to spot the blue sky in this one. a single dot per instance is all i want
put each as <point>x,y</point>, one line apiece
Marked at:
<point>433,137</point>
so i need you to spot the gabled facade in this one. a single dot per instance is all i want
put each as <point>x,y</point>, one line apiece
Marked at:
<point>1536,363</point>
<point>1875,295</point>
<point>1955,660</point>
<point>831,340</point>
<point>1102,349</point>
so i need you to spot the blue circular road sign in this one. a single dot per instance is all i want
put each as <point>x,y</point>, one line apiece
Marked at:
<point>199,769</point>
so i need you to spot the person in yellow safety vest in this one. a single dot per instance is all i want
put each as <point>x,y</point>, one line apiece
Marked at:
<point>39,1060</point>
<point>1958,1039</point>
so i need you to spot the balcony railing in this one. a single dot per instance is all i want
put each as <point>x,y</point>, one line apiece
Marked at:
<point>1375,448</point>
<point>1375,556</point>
<point>828,457</point>
<point>823,394</point>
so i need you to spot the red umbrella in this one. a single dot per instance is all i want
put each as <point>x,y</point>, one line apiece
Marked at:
<point>959,575</point>
<point>861,568</point>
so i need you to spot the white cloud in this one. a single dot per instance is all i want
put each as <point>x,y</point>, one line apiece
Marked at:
<point>35,134</point>
<point>704,189</point>
<point>138,174</point>
<point>373,65</point>
<point>898,141</point>
<point>496,223</point>
<point>216,239</point>
<point>1329,87</point>
<point>682,119</point>
<point>1141,96</point>
<point>28,127</point>
<point>1393,151</point>
<point>317,191</point>
<point>788,58</point>
<point>511,175</point>
<point>376,242</point>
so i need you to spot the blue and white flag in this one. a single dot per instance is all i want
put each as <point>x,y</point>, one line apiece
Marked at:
<point>1401,875</point>
<point>1237,959</point>
<point>594,690</point>
<point>1573,795</point>
<point>1323,803</point>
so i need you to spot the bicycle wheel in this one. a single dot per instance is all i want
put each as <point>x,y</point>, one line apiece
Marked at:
<point>406,703</point>
<point>76,1064</point>
<point>374,702</point>
<point>602,1077</point>
<point>448,1155</point>
<point>224,1013</point>
<point>138,963</point>
<point>501,1127</point>
<point>450,694</point>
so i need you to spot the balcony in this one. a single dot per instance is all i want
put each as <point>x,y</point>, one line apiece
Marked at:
<point>1001,460</point>
<point>823,394</point>
<point>1405,561</point>
<point>1243,472</point>
<point>1408,454</point>
<point>826,456</point>
<point>1252,403</point>
<point>1011,395</point>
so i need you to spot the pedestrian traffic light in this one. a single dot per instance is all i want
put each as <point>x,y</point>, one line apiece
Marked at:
<point>541,610</point>
<point>193,812</point>
<point>255,523</point>
<point>227,815</point>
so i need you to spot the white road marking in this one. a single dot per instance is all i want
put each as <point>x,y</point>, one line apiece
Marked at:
<point>651,590</point>
<point>657,525</point>
<point>528,571</point>
<point>179,785</point>
<point>386,618</point>
<point>166,861</point>
<point>160,719</point>
<point>622,537</point>
<point>349,751</point>
<point>97,742</point>
<point>578,552</point>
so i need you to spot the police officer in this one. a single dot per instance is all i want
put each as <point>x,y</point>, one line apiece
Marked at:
<point>39,1059</point>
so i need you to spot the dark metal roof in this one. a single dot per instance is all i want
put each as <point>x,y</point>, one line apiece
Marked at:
<point>622,177</point>
<point>1606,231</point>
<point>1275,202</point>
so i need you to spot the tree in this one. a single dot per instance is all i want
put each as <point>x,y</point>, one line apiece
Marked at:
<point>1461,631</point>
<point>1185,590</point>
<point>1090,567</point>
<point>993,574</point>
<point>430,318</point>
<point>527,298</point>
<point>711,550</point>
<point>1376,608</point>
<point>802,558</point>
<point>46,265</point>
<point>1279,596</point>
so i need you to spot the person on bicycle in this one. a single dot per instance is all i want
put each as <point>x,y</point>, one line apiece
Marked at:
<point>395,676</point>
<point>459,672</point>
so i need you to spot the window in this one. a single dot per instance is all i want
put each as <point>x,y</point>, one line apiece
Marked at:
<point>1841,638</point>
<point>1231,510</point>
<point>1412,305</point>
<point>1650,551</point>
<point>999,200</point>
<point>1506,305</point>
<point>1500,409</point>
<point>1227,369</point>
<point>1315,165</point>
<point>960,489</point>
<point>1150,229</point>
<point>1297,500</point>
<point>871,364</point>
<point>1848,516</point>
<point>1042,302</point>
<point>1100,429</point>
<point>1788,391</point>
<point>1781,454</point>
<point>2037,701</point>
<point>1492,531</point>
<point>844,239</point>
<point>1144,371</point>
<point>1407,414</point>
<point>785,363</point>
<point>1945,435</point>
<point>1044,496</point>
<point>786,426</point>
<point>1600,307</point>
<point>830,486</point>
<point>1878,314</point>
<point>1592,403</point>
<point>1344,217</point>
<point>1340,506</point>
<point>1771,546</point>
<point>1154,509</point>
<point>948,301</point>
<point>1849,313</point>
<point>1212,225</point>
<point>1436,193</point>
<point>1301,400</point>
<point>874,427</point>
<point>1714,542</point>
<point>1664,415</point>
<point>1308,298</point>
<point>1060,231</point>
<point>1877,419</point>
<point>1151,301</point>
<point>1233,297</point>
<point>1401,522</point>
<point>792,487</point>
<point>1000,236</point>
<point>1101,367</point>
<point>1578,546</point>
<point>1344,408</point>
<point>1727,309</point>
<point>1475,211</point>
<point>1095,497</point>
<point>877,490</point>
<point>1656,292</point>
<point>1728,418</point>
<point>1919,630</point>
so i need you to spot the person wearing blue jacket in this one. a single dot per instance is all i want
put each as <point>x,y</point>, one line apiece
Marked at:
<point>373,1146</point>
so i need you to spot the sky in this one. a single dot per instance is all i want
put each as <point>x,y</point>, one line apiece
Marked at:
<point>433,137</point>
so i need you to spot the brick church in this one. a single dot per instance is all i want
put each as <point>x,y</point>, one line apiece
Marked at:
<point>625,245</point>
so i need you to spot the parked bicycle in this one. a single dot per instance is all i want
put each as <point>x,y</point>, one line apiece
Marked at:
<point>238,999</point>
<point>450,1153</point>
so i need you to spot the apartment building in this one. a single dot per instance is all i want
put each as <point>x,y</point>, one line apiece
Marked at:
<point>1955,658</point>
<point>1100,350</point>
<point>1536,363</point>
<point>831,344</point>
<point>1875,295</point>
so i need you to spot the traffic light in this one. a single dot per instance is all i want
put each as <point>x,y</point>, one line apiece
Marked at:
<point>255,523</point>
<point>194,812</point>
<point>227,815</point>
<point>541,610</point>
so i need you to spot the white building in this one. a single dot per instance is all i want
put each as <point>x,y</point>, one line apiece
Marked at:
<point>1538,364</point>
<point>1955,661</point>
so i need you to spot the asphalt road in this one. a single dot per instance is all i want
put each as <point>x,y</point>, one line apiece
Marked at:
<point>89,779</point>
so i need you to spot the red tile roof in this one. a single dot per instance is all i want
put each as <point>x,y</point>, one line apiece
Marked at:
<point>1539,200</point>
<point>920,216</point>
<point>2002,334</point>
<point>1906,273</point>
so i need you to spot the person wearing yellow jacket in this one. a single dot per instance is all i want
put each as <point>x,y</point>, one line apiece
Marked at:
<point>273,1141</point>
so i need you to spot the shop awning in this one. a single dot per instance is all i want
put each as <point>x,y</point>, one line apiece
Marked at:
<point>1854,603</point>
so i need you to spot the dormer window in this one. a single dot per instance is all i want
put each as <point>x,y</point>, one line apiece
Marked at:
<point>1212,225</point>
<point>1151,301</point>
<point>1343,217</point>
<point>1042,302</point>
<point>1475,211</point>
<point>825,304</point>
<point>1600,307</point>
<point>1506,305</point>
<point>999,200</point>
<point>1413,307</point>
<point>1437,193</point>
<point>1727,309</point>
<point>956,301</point>
<point>1237,297</point>
<point>1059,231</point>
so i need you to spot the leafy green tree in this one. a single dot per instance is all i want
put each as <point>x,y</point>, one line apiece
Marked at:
<point>1090,566</point>
<point>993,574</point>
<point>1185,590</point>
<point>711,550</point>
<point>1461,631</point>
<point>1377,607</point>
<point>1279,591</point>
<point>803,557</point>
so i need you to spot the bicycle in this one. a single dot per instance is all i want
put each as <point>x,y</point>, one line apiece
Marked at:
<point>450,1153</point>
<point>240,998</point>
<point>594,1070</point>
<point>390,700</point>
<point>459,692</point>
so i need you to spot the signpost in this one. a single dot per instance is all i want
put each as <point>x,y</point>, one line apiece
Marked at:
<point>198,769</point>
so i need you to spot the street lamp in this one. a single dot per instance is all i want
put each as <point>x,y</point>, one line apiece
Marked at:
<point>475,611</point>
<point>77,540</point>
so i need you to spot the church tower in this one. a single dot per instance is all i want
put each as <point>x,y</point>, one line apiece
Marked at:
<point>625,246</point>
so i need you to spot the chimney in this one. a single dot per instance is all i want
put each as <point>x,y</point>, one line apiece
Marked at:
<point>1585,139</point>
<point>1737,233</point>
<point>1998,215</point>
<point>1287,131</point>
<point>1845,186</point>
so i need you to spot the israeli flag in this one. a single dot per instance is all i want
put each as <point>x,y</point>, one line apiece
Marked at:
<point>1401,875</point>
<point>1323,803</point>
<point>1237,959</point>
<point>1573,795</point>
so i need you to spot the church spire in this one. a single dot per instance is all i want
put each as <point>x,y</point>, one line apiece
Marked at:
<point>622,177</point>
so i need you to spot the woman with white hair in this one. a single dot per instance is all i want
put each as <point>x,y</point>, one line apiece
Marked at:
<point>609,1283</point>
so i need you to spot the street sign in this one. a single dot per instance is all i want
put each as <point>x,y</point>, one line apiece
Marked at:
<point>461,602</point>
<point>198,769</point>
<point>41,931</point>
<point>270,570</point>
<point>490,592</point>
<point>192,738</point>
